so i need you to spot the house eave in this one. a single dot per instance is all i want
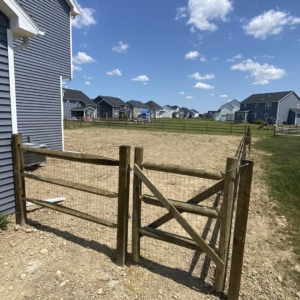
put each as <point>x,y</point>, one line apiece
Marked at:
<point>75,10</point>
<point>21,24</point>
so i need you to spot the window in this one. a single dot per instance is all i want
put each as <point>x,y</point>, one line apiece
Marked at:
<point>69,112</point>
<point>77,103</point>
<point>68,102</point>
<point>265,115</point>
<point>245,106</point>
<point>256,105</point>
<point>268,106</point>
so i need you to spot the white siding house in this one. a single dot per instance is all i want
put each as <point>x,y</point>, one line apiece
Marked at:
<point>227,110</point>
<point>170,111</point>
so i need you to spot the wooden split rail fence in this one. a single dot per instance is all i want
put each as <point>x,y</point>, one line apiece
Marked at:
<point>287,130</point>
<point>122,196</point>
<point>175,208</point>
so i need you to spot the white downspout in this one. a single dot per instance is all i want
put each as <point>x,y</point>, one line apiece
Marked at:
<point>23,45</point>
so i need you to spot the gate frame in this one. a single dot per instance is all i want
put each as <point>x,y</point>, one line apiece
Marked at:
<point>123,188</point>
<point>228,185</point>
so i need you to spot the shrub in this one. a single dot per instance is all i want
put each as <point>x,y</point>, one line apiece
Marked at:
<point>258,121</point>
<point>3,221</point>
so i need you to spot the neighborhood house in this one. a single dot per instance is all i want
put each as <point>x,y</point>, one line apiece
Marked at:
<point>227,110</point>
<point>279,105</point>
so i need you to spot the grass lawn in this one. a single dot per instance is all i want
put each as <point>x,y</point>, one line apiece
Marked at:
<point>283,178</point>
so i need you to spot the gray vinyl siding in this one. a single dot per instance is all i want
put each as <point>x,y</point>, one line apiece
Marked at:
<point>260,110</point>
<point>70,107</point>
<point>7,199</point>
<point>290,101</point>
<point>38,69</point>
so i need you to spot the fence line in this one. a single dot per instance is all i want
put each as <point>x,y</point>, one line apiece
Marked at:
<point>168,126</point>
<point>287,130</point>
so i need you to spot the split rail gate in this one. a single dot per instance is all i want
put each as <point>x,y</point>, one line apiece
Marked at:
<point>175,208</point>
<point>122,196</point>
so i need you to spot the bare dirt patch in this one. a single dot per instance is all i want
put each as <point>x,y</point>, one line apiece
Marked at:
<point>60,257</point>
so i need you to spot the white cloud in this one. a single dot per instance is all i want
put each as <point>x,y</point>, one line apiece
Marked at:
<point>189,97</point>
<point>145,83</point>
<point>202,12</point>
<point>203,59</point>
<point>262,74</point>
<point>212,94</point>
<point>76,68</point>
<point>86,18</point>
<point>234,58</point>
<point>88,77</point>
<point>87,83</point>
<point>141,78</point>
<point>267,56</point>
<point>224,96</point>
<point>181,13</point>
<point>192,55</point>
<point>270,23</point>
<point>116,72</point>
<point>83,45</point>
<point>192,30</point>
<point>215,58</point>
<point>82,58</point>
<point>182,93</point>
<point>203,86</point>
<point>121,47</point>
<point>197,76</point>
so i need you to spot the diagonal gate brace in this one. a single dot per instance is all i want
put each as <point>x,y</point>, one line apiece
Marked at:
<point>178,217</point>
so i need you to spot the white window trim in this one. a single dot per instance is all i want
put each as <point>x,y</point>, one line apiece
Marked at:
<point>245,106</point>
<point>268,106</point>
<point>68,102</point>
<point>266,115</point>
<point>12,82</point>
<point>69,112</point>
<point>77,103</point>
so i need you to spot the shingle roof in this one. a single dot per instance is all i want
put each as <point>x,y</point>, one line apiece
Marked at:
<point>113,101</point>
<point>295,110</point>
<point>137,103</point>
<point>185,109</point>
<point>173,106</point>
<point>78,95</point>
<point>152,104</point>
<point>195,111</point>
<point>266,97</point>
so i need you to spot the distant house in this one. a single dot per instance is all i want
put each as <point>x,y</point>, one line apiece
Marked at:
<point>195,113</point>
<point>185,113</point>
<point>156,111</point>
<point>35,56</point>
<point>78,105</point>
<point>227,110</point>
<point>112,108</point>
<point>276,105</point>
<point>294,116</point>
<point>171,111</point>
<point>211,114</point>
<point>136,107</point>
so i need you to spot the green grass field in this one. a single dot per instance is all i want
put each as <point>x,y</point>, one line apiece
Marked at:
<point>282,170</point>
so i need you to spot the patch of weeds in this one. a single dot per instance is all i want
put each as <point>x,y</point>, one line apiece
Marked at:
<point>255,278</point>
<point>3,221</point>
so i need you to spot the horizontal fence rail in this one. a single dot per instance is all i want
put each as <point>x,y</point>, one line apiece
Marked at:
<point>78,157</point>
<point>208,174</point>
<point>287,130</point>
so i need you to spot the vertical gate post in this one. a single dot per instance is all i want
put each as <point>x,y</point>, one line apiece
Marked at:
<point>19,182</point>
<point>136,208</point>
<point>226,220</point>
<point>123,204</point>
<point>240,229</point>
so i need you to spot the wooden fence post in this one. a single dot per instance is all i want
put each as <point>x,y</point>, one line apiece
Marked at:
<point>240,229</point>
<point>136,208</point>
<point>226,220</point>
<point>123,204</point>
<point>19,182</point>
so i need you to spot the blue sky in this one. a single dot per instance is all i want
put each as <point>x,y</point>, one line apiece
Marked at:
<point>193,53</point>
